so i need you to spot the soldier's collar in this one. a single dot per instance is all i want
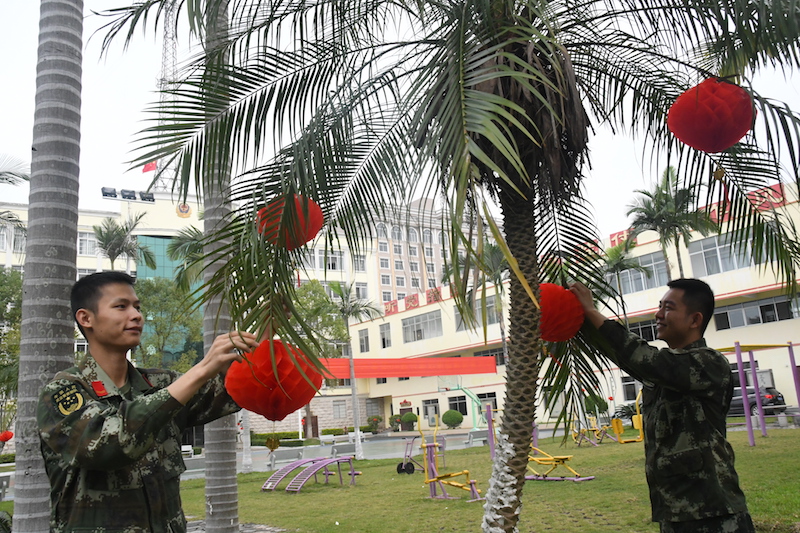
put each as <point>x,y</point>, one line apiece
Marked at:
<point>103,385</point>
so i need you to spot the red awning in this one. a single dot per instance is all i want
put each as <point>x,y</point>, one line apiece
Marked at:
<point>401,368</point>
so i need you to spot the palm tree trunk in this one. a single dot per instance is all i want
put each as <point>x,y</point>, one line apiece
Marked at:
<point>47,342</point>
<point>666,262</point>
<point>222,511</point>
<point>678,255</point>
<point>502,508</point>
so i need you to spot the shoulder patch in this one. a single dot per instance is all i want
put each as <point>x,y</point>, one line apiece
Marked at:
<point>67,399</point>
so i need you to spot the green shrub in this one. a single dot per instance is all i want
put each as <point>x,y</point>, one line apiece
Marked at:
<point>332,431</point>
<point>595,404</point>
<point>452,418</point>
<point>409,418</point>
<point>7,457</point>
<point>260,439</point>
<point>373,422</point>
<point>394,421</point>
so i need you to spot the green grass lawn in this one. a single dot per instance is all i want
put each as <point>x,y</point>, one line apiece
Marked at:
<point>615,501</point>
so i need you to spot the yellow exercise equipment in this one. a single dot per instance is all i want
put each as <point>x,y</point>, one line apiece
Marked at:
<point>616,425</point>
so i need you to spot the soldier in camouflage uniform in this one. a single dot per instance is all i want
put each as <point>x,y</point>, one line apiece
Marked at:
<point>687,392</point>
<point>110,432</point>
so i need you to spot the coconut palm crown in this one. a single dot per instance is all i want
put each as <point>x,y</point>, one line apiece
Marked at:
<point>362,106</point>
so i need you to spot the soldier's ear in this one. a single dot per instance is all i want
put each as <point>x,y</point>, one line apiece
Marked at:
<point>696,320</point>
<point>84,318</point>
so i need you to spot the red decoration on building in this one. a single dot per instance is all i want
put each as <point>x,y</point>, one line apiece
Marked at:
<point>412,301</point>
<point>712,116</point>
<point>433,295</point>
<point>405,403</point>
<point>270,220</point>
<point>6,436</point>
<point>562,313</point>
<point>390,308</point>
<point>257,388</point>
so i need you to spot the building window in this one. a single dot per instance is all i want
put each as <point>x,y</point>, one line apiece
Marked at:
<point>716,254</point>
<point>645,329</point>
<point>386,279</point>
<point>634,281</point>
<point>363,340</point>
<point>334,261</point>
<point>383,246</point>
<point>308,259</point>
<point>497,353</point>
<point>430,268</point>
<point>458,403</point>
<point>414,266</point>
<point>415,283</point>
<point>421,327</point>
<point>386,335</point>
<point>386,296</point>
<point>412,251</point>
<point>83,272</point>
<point>400,281</point>
<point>431,283</point>
<point>384,263</point>
<point>401,295</point>
<point>19,241</point>
<point>360,263</point>
<point>339,409</point>
<point>403,379</point>
<point>427,236</point>
<point>380,381</point>
<point>381,231</point>
<point>361,291</point>
<point>397,233</point>
<point>398,264</point>
<point>428,251</point>
<point>490,398</point>
<point>413,236</point>
<point>755,312</point>
<point>87,243</point>
<point>81,346</point>
<point>492,314</point>
<point>430,411</point>
<point>398,249</point>
<point>630,388</point>
<point>3,239</point>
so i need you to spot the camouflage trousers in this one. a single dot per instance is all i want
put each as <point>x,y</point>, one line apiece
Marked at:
<point>732,523</point>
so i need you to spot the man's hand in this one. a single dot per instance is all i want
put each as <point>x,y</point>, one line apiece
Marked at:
<point>224,350</point>
<point>584,296</point>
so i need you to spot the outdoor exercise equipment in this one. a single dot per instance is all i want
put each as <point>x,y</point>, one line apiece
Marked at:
<point>408,463</point>
<point>580,434</point>
<point>436,481</point>
<point>310,468</point>
<point>600,432</point>
<point>553,462</point>
<point>616,424</point>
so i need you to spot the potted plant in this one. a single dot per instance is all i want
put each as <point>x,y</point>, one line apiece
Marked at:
<point>394,421</point>
<point>408,420</point>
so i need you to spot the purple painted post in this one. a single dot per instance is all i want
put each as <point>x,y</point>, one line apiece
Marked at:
<point>535,436</point>
<point>743,385</point>
<point>795,373</point>
<point>490,425</point>
<point>757,388</point>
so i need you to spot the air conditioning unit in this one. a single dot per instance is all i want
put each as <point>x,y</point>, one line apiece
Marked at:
<point>432,420</point>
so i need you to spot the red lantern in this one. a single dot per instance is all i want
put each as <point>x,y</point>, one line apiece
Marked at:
<point>257,388</point>
<point>269,220</point>
<point>712,116</point>
<point>562,313</point>
<point>6,436</point>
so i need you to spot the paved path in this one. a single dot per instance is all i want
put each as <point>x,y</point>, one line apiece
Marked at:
<point>199,526</point>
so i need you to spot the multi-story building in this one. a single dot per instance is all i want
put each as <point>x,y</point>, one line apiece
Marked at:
<point>402,269</point>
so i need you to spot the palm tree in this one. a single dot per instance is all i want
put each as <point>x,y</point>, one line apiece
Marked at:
<point>47,342</point>
<point>615,261</point>
<point>352,307</point>
<point>187,247</point>
<point>481,101</point>
<point>115,239</point>
<point>670,211</point>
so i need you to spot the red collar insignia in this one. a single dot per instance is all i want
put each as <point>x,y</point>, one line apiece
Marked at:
<point>99,388</point>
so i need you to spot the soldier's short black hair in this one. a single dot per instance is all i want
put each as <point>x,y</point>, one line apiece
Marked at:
<point>697,297</point>
<point>87,291</point>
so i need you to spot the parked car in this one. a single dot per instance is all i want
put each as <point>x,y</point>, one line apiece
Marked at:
<point>771,400</point>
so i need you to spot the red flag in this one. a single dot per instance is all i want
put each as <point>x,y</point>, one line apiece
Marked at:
<point>149,167</point>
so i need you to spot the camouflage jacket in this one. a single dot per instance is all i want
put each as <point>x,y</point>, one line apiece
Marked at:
<point>113,456</point>
<point>685,400</point>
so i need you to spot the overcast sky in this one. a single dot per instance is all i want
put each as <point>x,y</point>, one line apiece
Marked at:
<point>118,87</point>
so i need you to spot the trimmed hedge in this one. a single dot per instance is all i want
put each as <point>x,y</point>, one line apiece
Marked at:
<point>7,457</point>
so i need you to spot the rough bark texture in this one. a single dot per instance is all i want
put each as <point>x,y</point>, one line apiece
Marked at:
<point>47,338</point>
<point>503,498</point>
<point>222,496</point>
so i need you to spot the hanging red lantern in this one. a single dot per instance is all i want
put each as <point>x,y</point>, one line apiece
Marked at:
<point>712,116</point>
<point>255,386</point>
<point>6,436</point>
<point>270,218</point>
<point>562,313</point>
